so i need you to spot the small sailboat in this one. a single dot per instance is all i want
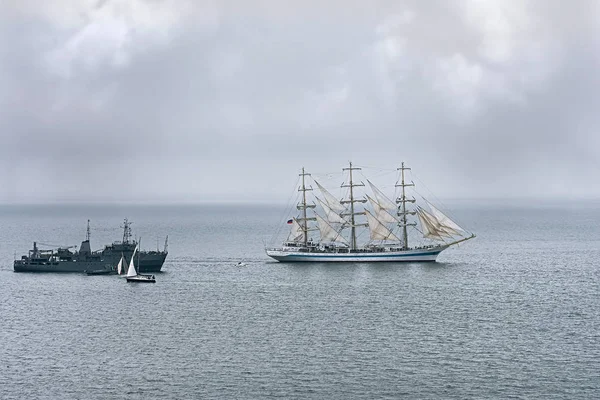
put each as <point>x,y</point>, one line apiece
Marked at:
<point>133,276</point>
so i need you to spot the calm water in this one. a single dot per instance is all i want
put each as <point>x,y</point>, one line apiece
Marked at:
<point>514,313</point>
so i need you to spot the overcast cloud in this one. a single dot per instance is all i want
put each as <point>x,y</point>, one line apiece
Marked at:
<point>185,100</point>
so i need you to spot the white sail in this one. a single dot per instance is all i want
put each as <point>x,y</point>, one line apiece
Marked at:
<point>120,265</point>
<point>296,233</point>
<point>449,225</point>
<point>378,230</point>
<point>427,226</point>
<point>432,227</point>
<point>328,232</point>
<point>330,199</point>
<point>131,271</point>
<point>380,213</point>
<point>332,216</point>
<point>382,200</point>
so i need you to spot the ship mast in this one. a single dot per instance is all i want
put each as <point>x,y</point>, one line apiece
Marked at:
<point>87,236</point>
<point>402,205</point>
<point>126,231</point>
<point>353,225</point>
<point>303,206</point>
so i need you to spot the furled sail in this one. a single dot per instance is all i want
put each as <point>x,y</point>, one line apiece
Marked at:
<point>329,233</point>
<point>296,233</point>
<point>332,216</point>
<point>446,222</point>
<point>330,199</point>
<point>378,230</point>
<point>380,213</point>
<point>131,271</point>
<point>381,198</point>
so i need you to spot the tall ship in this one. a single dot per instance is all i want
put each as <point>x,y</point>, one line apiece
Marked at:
<point>146,261</point>
<point>63,259</point>
<point>328,229</point>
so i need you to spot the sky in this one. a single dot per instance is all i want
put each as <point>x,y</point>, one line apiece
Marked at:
<point>203,101</point>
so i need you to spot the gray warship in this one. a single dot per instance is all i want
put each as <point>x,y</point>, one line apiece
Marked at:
<point>146,261</point>
<point>64,260</point>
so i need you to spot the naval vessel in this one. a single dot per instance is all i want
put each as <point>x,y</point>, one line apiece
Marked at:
<point>145,261</point>
<point>64,260</point>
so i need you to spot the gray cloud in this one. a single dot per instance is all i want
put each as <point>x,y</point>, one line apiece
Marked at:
<point>173,100</point>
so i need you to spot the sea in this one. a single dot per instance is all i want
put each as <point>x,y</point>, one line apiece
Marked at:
<point>514,313</point>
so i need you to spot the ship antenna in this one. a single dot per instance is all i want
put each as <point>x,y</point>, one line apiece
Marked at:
<point>126,231</point>
<point>87,237</point>
<point>352,185</point>
<point>401,201</point>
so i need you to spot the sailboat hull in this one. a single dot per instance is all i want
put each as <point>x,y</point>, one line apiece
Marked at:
<point>141,278</point>
<point>410,255</point>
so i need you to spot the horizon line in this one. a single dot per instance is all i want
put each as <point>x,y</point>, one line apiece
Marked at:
<point>78,202</point>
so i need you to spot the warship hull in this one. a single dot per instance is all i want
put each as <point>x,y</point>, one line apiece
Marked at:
<point>91,262</point>
<point>148,261</point>
<point>62,266</point>
<point>151,261</point>
<point>410,255</point>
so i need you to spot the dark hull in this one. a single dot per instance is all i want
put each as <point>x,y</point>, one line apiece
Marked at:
<point>142,279</point>
<point>101,272</point>
<point>63,266</point>
<point>151,261</point>
<point>148,261</point>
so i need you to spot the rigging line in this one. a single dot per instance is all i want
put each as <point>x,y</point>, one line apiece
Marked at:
<point>376,168</point>
<point>433,196</point>
<point>449,215</point>
<point>381,173</point>
<point>287,211</point>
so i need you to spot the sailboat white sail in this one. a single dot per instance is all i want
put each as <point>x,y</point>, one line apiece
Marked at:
<point>133,276</point>
<point>430,227</point>
<point>333,232</point>
<point>378,230</point>
<point>328,232</point>
<point>380,213</point>
<point>445,221</point>
<point>131,272</point>
<point>332,216</point>
<point>121,265</point>
<point>330,199</point>
<point>296,233</point>
<point>434,226</point>
<point>382,200</point>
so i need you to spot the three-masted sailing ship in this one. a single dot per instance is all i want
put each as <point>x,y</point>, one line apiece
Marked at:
<point>327,230</point>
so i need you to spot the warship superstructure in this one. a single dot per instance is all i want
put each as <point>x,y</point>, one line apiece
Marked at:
<point>63,259</point>
<point>146,261</point>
